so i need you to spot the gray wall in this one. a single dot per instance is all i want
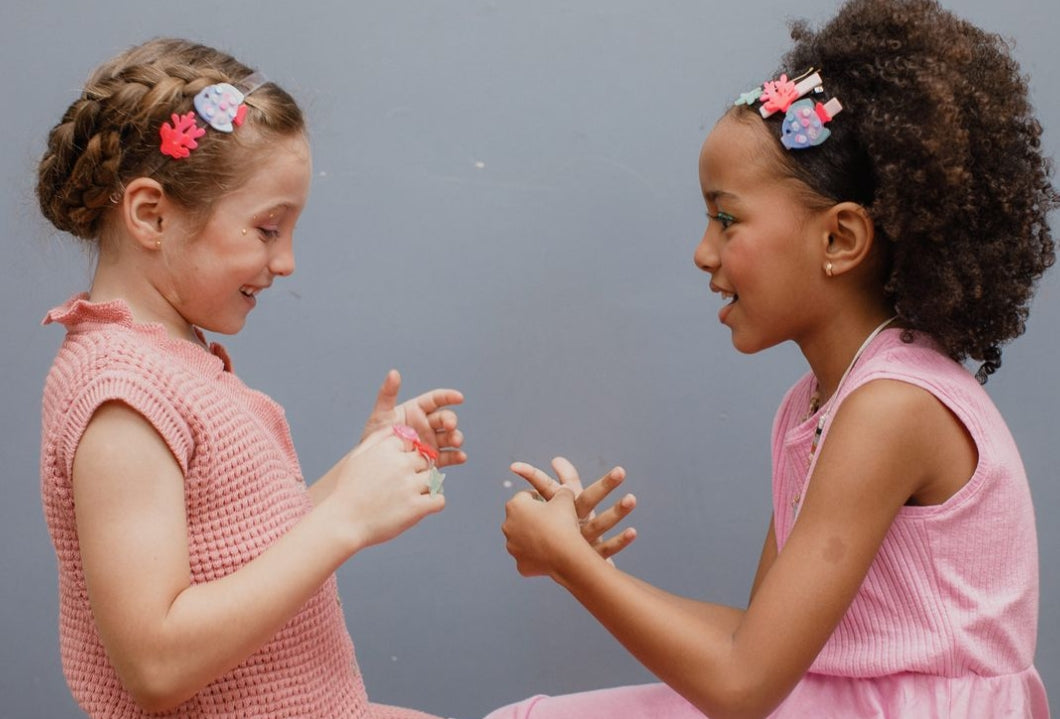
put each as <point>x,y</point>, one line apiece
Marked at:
<point>505,201</point>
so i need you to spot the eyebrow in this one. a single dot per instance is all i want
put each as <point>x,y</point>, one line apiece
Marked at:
<point>269,212</point>
<point>715,195</point>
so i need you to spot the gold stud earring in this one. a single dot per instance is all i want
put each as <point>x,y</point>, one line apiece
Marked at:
<point>158,244</point>
<point>828,269</point>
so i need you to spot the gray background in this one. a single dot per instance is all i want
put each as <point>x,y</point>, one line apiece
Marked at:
<point>505,201</point>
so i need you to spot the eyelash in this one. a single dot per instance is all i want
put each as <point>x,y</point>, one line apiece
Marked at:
<point>723,218</point>
<point>268,235</point>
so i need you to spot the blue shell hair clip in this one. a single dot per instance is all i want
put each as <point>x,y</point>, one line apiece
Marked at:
<point>804,120</point>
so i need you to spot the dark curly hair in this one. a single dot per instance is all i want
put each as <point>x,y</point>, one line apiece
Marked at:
<point>110,134</point>
<point>938,141</point>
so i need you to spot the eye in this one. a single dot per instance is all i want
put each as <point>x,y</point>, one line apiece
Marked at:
<point>268,234</point>
<point>723,218</point>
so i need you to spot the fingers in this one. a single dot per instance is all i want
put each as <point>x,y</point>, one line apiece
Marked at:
<point>616,544</point>
<point>598,490</point>
<point>437,424</point>
<point>599,525</point>
<point>435,399</point>
<point>386,399</point>
<point>538,479</point>
<point>431,503</point>
<point>567,474</point>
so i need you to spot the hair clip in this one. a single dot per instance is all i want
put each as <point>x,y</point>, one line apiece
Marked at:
<point>804,123</point>
<point>778,95</point>
<point>222,106</point>
<point>178,139</point>
<point>253,81</point>
<point>750,97</point>
<point>804,120</point>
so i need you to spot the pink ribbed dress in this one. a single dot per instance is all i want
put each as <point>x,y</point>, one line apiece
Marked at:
<point>243,490</point>
<point>945,623</point>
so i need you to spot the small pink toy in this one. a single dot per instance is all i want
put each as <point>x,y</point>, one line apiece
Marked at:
<point>434,477</point>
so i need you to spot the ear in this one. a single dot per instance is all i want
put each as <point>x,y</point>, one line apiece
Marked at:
<point>144,210</point>
<point>851,237</point>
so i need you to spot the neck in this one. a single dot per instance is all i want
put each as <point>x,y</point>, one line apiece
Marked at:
<point>114,280</point>
<point>832,356</point>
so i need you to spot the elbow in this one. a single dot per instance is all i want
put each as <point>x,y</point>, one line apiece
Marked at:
<point>739,699</point>
<point>156,686</point>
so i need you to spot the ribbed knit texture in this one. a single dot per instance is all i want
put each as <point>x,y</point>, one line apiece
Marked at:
<point>953,590</point>
<point>243,490</point>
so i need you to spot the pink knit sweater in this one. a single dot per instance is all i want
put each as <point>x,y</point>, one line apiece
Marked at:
<point>243,490</point>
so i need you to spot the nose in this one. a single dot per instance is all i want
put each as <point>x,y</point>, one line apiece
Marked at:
<point>706,254</point>
<point>281,261</point>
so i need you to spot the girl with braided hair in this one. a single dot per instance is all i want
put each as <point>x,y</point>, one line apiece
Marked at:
<point>883,203</point>
<point>196,568</point>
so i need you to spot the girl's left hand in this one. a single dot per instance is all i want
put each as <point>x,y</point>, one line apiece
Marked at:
<point>428,414</point>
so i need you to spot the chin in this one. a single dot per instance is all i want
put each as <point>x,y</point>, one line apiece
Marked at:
<point>223,328</point>
<point>750,345</point>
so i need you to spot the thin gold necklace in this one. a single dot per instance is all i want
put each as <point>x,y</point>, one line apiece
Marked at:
<point>815,399</point>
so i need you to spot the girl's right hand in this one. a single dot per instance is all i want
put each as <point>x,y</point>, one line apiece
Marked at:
<point>593,527</point>
<point>380,490</point>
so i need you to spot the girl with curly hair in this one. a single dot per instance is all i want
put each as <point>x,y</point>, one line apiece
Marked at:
<point>882,202</point>
<point>196,567</point>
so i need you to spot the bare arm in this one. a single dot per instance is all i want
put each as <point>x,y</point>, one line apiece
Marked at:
<point>168,638</point>
<point>765,561</point>
<point>883,447</point>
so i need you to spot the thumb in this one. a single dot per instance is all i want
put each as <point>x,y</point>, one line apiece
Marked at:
<point>386,400</point>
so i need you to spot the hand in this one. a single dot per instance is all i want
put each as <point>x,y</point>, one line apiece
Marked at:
<point>540,534</point>
<point>428,414</point>
<point>592,526</point>
<point>380,489</point>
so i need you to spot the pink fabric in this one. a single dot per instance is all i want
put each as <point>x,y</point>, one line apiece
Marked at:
<point>243,490</point>
<point>646,701</point>
<point>945,623</point>
<point>953,590</point>
<point>817,696</point>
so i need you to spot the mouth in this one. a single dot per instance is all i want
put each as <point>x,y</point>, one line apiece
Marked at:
<point>251,293</point>
<point>730,298</point>
<point>726,295</point>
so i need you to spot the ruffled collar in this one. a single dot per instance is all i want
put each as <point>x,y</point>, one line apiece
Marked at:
<point>80,314</point>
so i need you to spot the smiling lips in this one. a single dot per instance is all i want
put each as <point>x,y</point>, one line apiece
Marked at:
<point>730,299</point>
<point>726,295</point>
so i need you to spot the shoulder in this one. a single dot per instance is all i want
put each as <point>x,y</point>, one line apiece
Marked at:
<point>904,438</point>
<point>111,366</point>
